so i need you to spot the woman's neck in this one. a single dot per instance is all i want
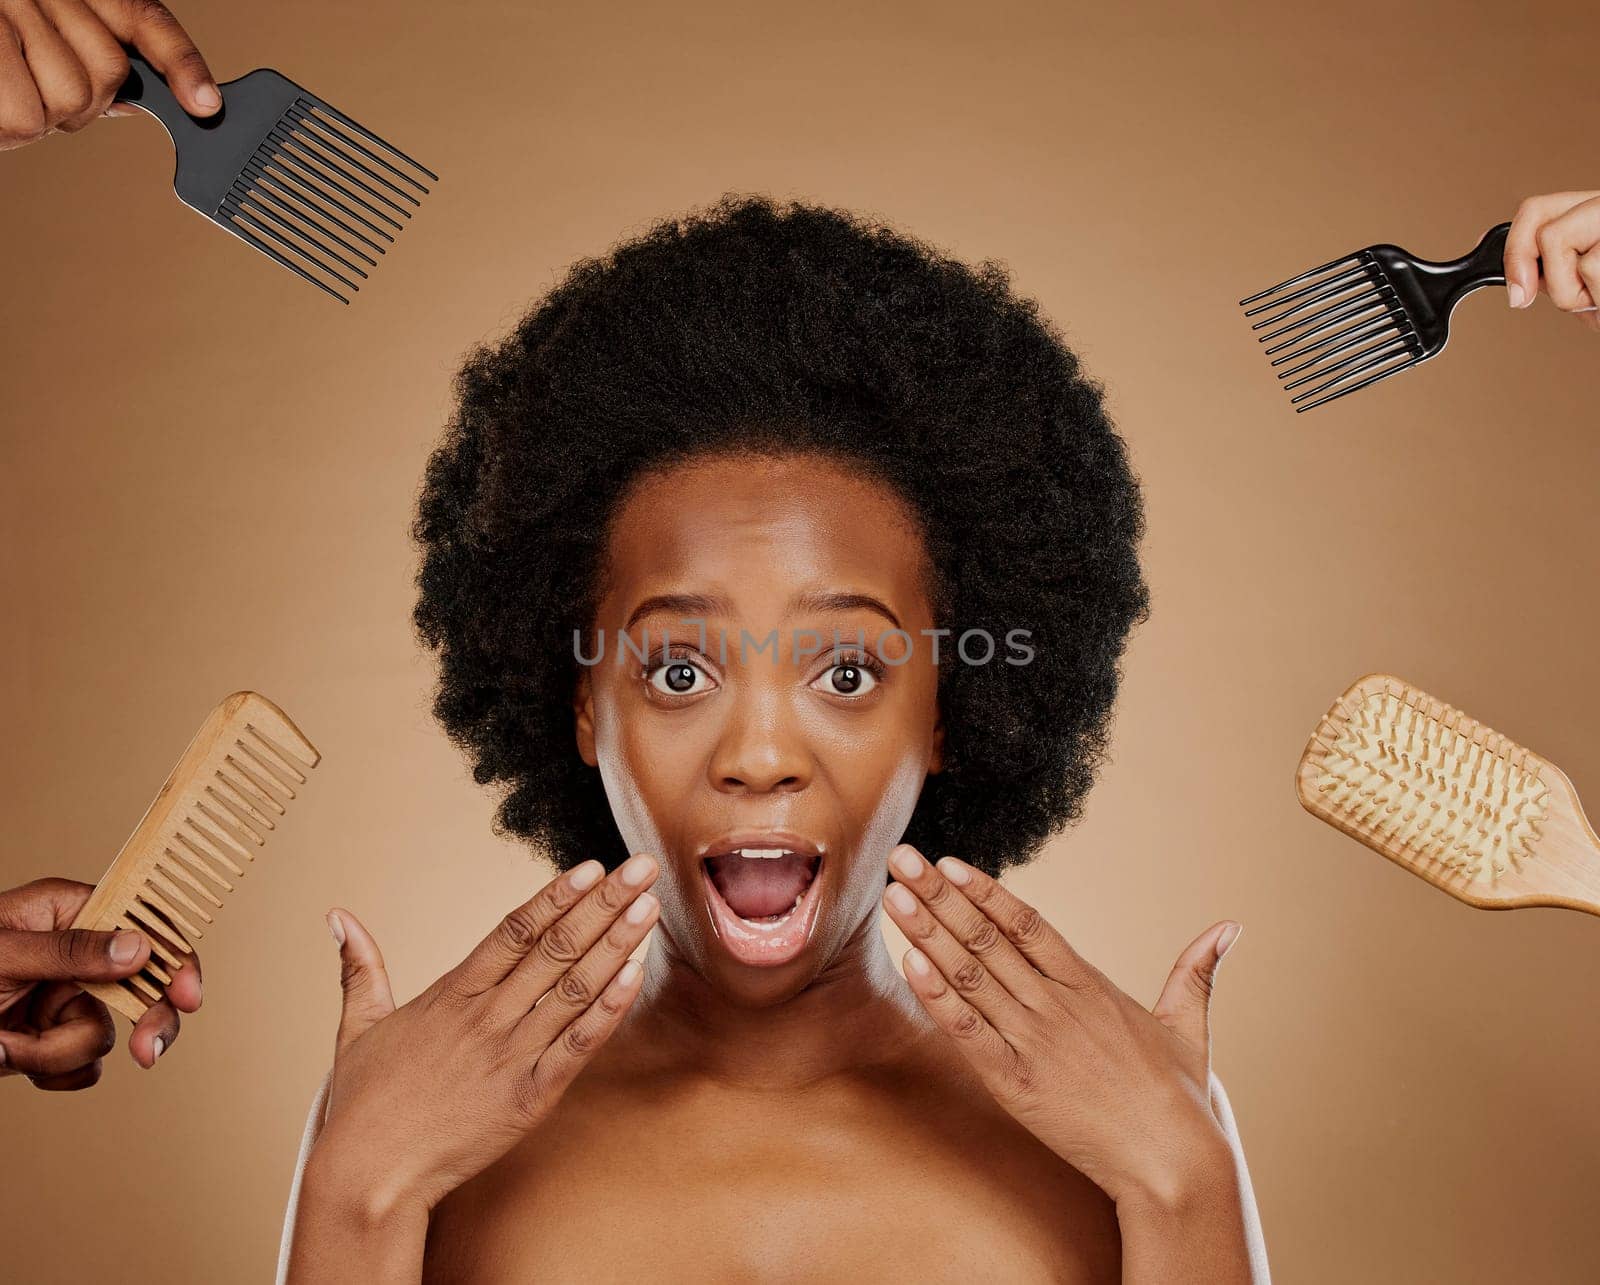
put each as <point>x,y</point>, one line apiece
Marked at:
<point>857,1011</point>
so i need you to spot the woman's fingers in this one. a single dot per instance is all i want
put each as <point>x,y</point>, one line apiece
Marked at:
<point>1577,232</point>
<point>102,58</point>
<point>563,943</point>
<point>63,84</point>
<point>22,118</point>
<point>1185,1001</point>
<point>1522,251</point>
<point>570,1052</point>
<point>169,947</point>
<point>1024,927</point>
<point>185,991</point>
<point>73,1031</point>
<point>510,940</point>
<point>365,982</point>
<point>72,954</point>
<point>582,984</point>
<point>984,1046</point>
<point>965,974</point>
<point>157,1028</point>
<point>152,30</point>
<point>1557,228</point>
<point>154,1033</point>
<point>976,932</point>
<point>84,1077</point>
<point>1562,241</point>
<point>1589,274</point>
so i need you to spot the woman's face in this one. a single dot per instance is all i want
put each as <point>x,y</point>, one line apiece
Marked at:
<point>759,756</point>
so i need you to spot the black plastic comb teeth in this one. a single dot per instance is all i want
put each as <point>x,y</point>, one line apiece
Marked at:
<point>1368,315</point>
<point>278,167</point>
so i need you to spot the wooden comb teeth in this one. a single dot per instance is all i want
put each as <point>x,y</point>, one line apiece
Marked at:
<point>239,773</point>
<point>1450,799</point>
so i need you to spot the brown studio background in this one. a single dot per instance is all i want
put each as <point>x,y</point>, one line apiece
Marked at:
<point>208,472</point>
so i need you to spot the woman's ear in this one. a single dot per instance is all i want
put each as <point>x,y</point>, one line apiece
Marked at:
<point>936,758</point>
<point>583,711</point>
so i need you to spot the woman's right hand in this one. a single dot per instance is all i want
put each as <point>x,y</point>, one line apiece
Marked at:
<point>62,62</point>
<point>425,1096</point>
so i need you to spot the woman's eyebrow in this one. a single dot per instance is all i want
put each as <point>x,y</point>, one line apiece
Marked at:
<point>685,604</point>
<point>705,604</point>
<point>832,601</point>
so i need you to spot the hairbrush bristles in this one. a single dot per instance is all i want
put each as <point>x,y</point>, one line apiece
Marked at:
<point>237,775</point>
<point>1441,783</point>
<point>1449,798</point>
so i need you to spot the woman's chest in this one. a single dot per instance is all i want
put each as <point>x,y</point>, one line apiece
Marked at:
<point>775,1196</point>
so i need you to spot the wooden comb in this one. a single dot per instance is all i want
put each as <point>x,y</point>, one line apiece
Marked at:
<point>1469,810</point>
<point>240,771</point>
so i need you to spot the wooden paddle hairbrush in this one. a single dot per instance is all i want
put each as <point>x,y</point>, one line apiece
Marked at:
<point>240,771</point>
<point>1449,799</point>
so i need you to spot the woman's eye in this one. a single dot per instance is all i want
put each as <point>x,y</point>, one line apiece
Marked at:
<point>677,678</point>
<point>849,679</point>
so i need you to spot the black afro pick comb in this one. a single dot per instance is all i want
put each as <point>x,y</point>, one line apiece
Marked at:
<point>288,174</point>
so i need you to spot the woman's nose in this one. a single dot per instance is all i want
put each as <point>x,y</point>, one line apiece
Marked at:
<point>760,750</point>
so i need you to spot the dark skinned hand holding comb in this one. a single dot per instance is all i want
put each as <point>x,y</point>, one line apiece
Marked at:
<point>63,61</point>
<point>260,156</point>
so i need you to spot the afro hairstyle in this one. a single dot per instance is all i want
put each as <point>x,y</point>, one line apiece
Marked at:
<point>761,327</point>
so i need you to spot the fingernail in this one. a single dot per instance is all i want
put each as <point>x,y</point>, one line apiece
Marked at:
<point>905,861</point>
<point>643,907</point>
<point>161,1047</point>
<point>584,876</point>
<point>627,975</point>
<point>917,962</point>
<point>955,870</point>
<point>1515,295</point>
<point>901,899</point>
<point>2,1054</point>
<point>124,948</point>
<point>1230,934</point>
<point>208,96</point>
<point>637,870</point>
<point>336,927</point>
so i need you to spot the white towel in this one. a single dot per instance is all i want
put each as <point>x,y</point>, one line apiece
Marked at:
<point>314,1122</point>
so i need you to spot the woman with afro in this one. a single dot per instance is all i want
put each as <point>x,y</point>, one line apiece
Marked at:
<point>779,569</point>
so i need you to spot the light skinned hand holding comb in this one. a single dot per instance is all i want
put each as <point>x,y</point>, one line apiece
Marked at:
<point>1376,312</point>
<point>1554,246</point>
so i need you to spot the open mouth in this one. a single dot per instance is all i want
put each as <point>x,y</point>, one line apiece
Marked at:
<point>763,901</point>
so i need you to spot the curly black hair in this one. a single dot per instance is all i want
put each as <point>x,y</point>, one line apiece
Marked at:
<point>767,328</point>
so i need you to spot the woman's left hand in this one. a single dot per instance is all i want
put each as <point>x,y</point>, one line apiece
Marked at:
<point>1121,1093</point>
<point>1560,233</point>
